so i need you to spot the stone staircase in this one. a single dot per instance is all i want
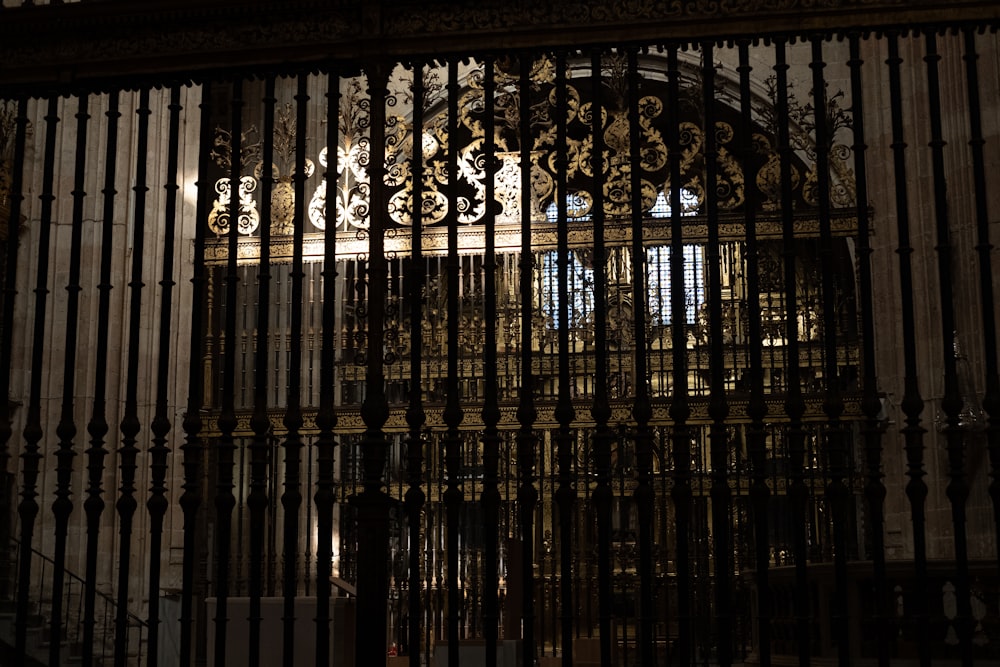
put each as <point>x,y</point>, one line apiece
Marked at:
<point>38,637</point>
<point>37,647</point>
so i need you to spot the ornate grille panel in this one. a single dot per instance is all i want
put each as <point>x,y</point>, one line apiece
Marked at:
<point>627,354</point>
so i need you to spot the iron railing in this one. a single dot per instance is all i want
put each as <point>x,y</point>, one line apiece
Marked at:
<point>72,623</point>
<point>474,398</point>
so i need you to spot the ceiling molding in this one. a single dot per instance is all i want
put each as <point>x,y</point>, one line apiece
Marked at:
<point>110,40</point>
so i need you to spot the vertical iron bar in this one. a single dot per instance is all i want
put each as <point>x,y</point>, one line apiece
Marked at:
<point>601,408</point>
<point>130,425</point>
<point>564,413</point>
<point>373,502</point>
<point>326,418</point>
<point>291,498</point>
<point>871,405</point>
<point>527,495</point>
<point>680,409</point>
<point>241,459</point>
<point>226,445</point>
<point>454,494</point>
<point>415,415</point>
<point>491,407</point>
<point>833,404</point>
<point>798,492</point>
<point>951,400</point>
<point>62,507</point>
<point>642,411</point>
<point>756,433</point>
<point>991,397</point>
<point>190,499</point>
<point>913,403</point>
<point>260,422</point>
<point>157,503</point>
<point>546,581</point>
<point>718,406</point>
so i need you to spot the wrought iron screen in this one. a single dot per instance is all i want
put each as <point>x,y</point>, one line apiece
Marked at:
<point>628,354</point>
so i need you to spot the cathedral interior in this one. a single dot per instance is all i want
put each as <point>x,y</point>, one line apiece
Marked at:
<point>641,333</point>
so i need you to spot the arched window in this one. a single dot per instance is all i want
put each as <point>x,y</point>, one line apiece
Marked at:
<point>658,278</point>
<point>580,283</point>
<point>580,288</point>
<point>578,208</point>
<point>661,207</point>
<point>659,283</point>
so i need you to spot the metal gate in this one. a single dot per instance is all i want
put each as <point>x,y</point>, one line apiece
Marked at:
<point>654,353</point>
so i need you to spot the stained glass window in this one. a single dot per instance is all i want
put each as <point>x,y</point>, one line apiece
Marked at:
<point>658,281</point>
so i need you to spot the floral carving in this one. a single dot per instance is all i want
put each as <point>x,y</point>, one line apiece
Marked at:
<point>442,140</point>
<point>219,217</point>
<point>222,155</point>
<point>283,171</point>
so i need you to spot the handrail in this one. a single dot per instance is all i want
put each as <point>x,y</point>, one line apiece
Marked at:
<point>133,619</point>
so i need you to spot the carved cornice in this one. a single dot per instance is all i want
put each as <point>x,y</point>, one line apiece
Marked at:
<point>112,39</point>
<point>508,237</point>
<point>596,16</point>
<point>349,417</point>
<point>97,40</point>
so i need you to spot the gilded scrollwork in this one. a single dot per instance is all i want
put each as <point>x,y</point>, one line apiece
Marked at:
<point>283,171</point>
<point>222,148</point>
<point>219,217</point>
<point>461,142</point>
<point>802,143</point>
<point>729,184</point>
<point>317,203</point>
<point>768,177</point>
<point>508,187</point>
<point>353,157</point>
<point>653,157</point>
<point>222,154</point>
<point>838,154</point>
